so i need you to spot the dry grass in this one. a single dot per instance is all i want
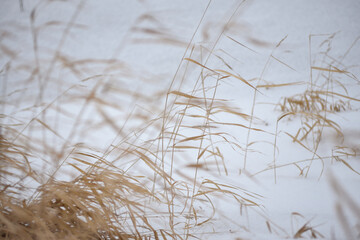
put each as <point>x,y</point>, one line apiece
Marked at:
<point>156,176</point>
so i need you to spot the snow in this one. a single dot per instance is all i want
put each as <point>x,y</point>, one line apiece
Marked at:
<point>106,30</point>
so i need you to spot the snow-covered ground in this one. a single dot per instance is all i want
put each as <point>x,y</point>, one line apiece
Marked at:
<point>268,43</point>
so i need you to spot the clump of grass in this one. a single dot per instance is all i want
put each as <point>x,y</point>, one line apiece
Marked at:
<point>81,209</point>
<point>316,106</point>
<point>313,101</point>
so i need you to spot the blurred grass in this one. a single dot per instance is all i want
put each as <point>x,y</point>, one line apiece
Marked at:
<point>84,155</point>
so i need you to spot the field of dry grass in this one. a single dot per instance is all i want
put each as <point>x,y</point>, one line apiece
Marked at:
<point>95,148</point>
